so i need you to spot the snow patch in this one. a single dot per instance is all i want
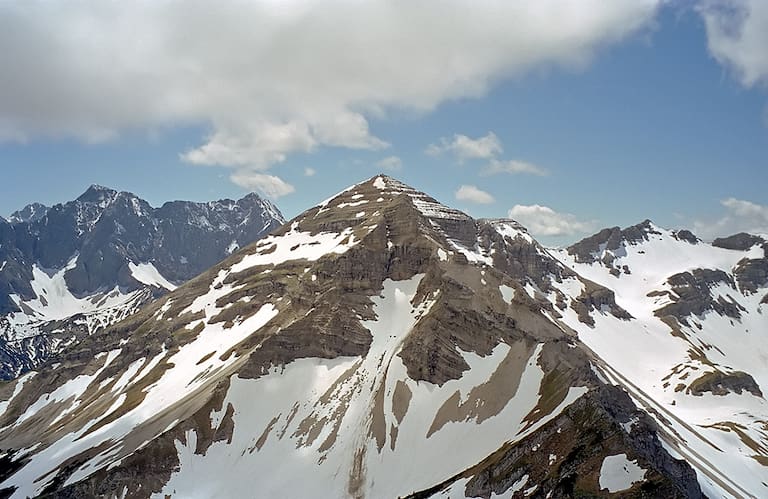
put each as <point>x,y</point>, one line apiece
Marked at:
<point>16,390</point>
<point>352,204</point>
<point>519,484</point>
<point>629,425</point>
<point>147,273</point>
<point>71,389</point>
<point>297,245</point>
<point>474,255</point>
<point>507,293</point>
<point>619,473</point>
<point>512,230</point>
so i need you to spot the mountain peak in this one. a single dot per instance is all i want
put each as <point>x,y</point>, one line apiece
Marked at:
<point>612,238</point>
<point>99,187</point>
<point>30,213</point>
<point>384,186</point>
<point>96,194</point>
<point>686,235</point>
<point>252,200</point>
<point>385,198</point>
<point>251,196</point>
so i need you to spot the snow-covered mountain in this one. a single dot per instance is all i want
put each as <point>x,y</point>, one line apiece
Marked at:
<point>72,269</point>
<point>378,345</point>
<point>694,354</point>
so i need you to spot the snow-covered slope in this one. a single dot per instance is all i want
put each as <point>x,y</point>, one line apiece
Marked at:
<point>695,352</point>
<point>378,345</point>
<point>75,268</point>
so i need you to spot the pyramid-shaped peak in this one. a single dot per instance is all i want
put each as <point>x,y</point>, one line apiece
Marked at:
<point>385,187</point>
<point>97,193</point>
<point>382,183</point>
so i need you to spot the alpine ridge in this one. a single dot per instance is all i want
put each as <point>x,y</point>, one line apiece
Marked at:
<point>382,344</point>
<point>75,268</point>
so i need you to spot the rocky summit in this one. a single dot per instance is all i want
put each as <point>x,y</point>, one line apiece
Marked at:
<point>384,345</point>
<point>72,269</point>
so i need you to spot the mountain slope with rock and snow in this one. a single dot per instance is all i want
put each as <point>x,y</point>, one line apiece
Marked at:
<point>380,344</point>
<point>75,268</point>
<point>694,355</point>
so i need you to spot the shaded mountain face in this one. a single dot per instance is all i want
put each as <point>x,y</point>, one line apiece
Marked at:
<point>378,345</point>
<point>76,267</point>
<point>30,213</point>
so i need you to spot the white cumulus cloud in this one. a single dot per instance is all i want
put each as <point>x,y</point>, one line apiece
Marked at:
<point>473,195</point>
<point>737,36</point>
<point>268,78</point>
<point>487,147</point>
<point>269,185</point>
<point>309,172</point>
<point>463,147</point>
<point>513,166</point>
<point>544,221</point>
<point>390,163</point>
<point>740,216</point>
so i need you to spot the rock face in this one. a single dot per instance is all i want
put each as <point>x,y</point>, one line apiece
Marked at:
<point>686,235</point>
<point>718,383</point>
<point>30,213</point>
<point>79,266</point>
<point>691,295</point>
<point>741,241</point>
<point>751,274</point>
<point>613,238</point>
<point>354,348</point>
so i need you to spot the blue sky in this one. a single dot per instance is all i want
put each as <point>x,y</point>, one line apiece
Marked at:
<point>639,110</point>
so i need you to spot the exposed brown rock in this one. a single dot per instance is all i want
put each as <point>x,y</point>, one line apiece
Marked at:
<point>401,399</point>
<point>751,274</point>
<point>720,383</point>
<point>595,297</point>
<point>693,296</point>
<point>741,241</point>
<point>587,249</point>
<point>686,235</point>
<point>489,398</point>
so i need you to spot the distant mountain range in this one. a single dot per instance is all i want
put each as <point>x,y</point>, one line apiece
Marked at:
<point>71,269</point>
